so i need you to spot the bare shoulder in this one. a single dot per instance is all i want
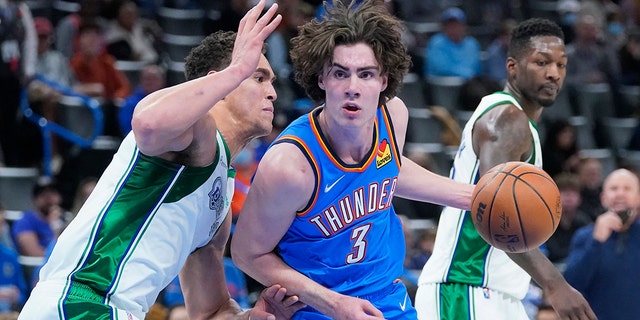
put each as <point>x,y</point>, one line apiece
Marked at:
<point>397,107</point>
<point>286,166</point>
<point>503,118</point>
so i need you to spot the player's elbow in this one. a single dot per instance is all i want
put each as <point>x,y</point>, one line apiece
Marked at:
<point>241,254</point>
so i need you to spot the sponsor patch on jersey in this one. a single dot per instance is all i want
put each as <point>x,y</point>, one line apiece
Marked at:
<point>384,154</point>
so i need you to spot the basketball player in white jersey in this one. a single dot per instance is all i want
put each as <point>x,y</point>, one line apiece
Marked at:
<point>161,207</point>
<point>465,278</point>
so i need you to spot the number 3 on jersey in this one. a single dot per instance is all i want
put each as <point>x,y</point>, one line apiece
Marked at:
<point>359,243</point>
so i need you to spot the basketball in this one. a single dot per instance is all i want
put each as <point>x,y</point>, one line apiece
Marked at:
<point>516,206</point>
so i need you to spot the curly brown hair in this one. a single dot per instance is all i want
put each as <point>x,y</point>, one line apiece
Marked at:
<point>368,23</point>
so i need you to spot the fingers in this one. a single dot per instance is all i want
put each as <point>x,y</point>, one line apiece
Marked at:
<point>250,17</point>
<point>266,24</point>
<point>272,291</point>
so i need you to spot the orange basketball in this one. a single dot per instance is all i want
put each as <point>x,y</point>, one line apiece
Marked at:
<point>516,206</point>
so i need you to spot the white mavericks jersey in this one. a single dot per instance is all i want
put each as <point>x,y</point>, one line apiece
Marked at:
<point>460,255</point>
<point>134,233</point>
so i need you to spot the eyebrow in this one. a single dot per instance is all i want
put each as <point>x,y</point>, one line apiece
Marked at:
<point>335,64</point>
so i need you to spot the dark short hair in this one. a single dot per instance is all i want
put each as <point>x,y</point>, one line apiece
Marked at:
<point>213,53</point>
<point>520,42</point>
<point>41,187</point>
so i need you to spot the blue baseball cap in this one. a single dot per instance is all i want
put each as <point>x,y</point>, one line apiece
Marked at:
<point>454,14</point>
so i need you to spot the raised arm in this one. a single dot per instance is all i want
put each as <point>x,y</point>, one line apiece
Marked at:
<point>167,119</point>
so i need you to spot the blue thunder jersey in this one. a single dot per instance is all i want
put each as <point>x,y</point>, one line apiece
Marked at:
<point>460,255</point>
<point>348,237</point>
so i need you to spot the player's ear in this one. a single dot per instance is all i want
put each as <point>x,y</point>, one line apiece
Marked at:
<point>321,82</point>
<point>511,65</point>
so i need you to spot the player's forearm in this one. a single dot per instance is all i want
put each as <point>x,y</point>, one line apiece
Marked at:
<point>538,266</point>
<point>269,269</point>
<point>417,183</point>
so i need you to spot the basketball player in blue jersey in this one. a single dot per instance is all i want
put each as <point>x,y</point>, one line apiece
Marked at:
<point>162,205</point>
<point>318,218</point>
<point>465,278</point>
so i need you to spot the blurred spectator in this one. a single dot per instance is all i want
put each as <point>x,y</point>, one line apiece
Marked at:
<point>43,98</point>
<point>37,228</point>
<point>560,147</point>
<point>452,52</point>
<point>568,11</point>
<point>604,258</point>
<point>418,209</point>
<point>419,11</point>
<point>231,12</point>
<point>245,164</point>
<point>631,12</point>
<point>13,286</point>
<point>423,249</point>
<point>83,191</point>
<point>593,58</point>
<point>294,13</point>
<point>601,10</point>
<point>572,218</point>
<point>5,230</point>
<point>475,88</point>
<point>66,39</point>
<point>629,55</point>
<point>494,64</point>
<point>130,37</point>
<point>96,72</point>
<point>152,78</point>
<point>18,45</point>
<point>590,172</point>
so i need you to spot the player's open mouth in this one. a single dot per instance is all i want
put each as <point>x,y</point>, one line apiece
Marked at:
<point>351,107</point>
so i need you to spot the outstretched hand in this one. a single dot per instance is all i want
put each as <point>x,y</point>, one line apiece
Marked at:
<point>252,32</point>
<point>570,304</point>
<point>274,304</point>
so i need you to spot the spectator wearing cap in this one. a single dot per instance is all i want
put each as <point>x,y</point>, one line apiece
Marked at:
<point>53,65</point>
<point>452,52</point>
<point>37,228</point>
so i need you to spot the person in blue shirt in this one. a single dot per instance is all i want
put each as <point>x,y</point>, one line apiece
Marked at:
<point>604,257</point>
<point>152,78</point>
<point>452,52</point>
<point>13,286</point>
<point>37,228</point>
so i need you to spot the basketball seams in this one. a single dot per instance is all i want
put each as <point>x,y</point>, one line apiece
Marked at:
<point>546,204</point>
<point>493,201</point>
<point>517,202</point>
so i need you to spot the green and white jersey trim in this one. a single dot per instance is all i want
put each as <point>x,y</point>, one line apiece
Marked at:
<point>460,255</point>
<point>134,233</point>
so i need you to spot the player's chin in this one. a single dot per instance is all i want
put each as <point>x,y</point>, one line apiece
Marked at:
<point>547,101</point>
